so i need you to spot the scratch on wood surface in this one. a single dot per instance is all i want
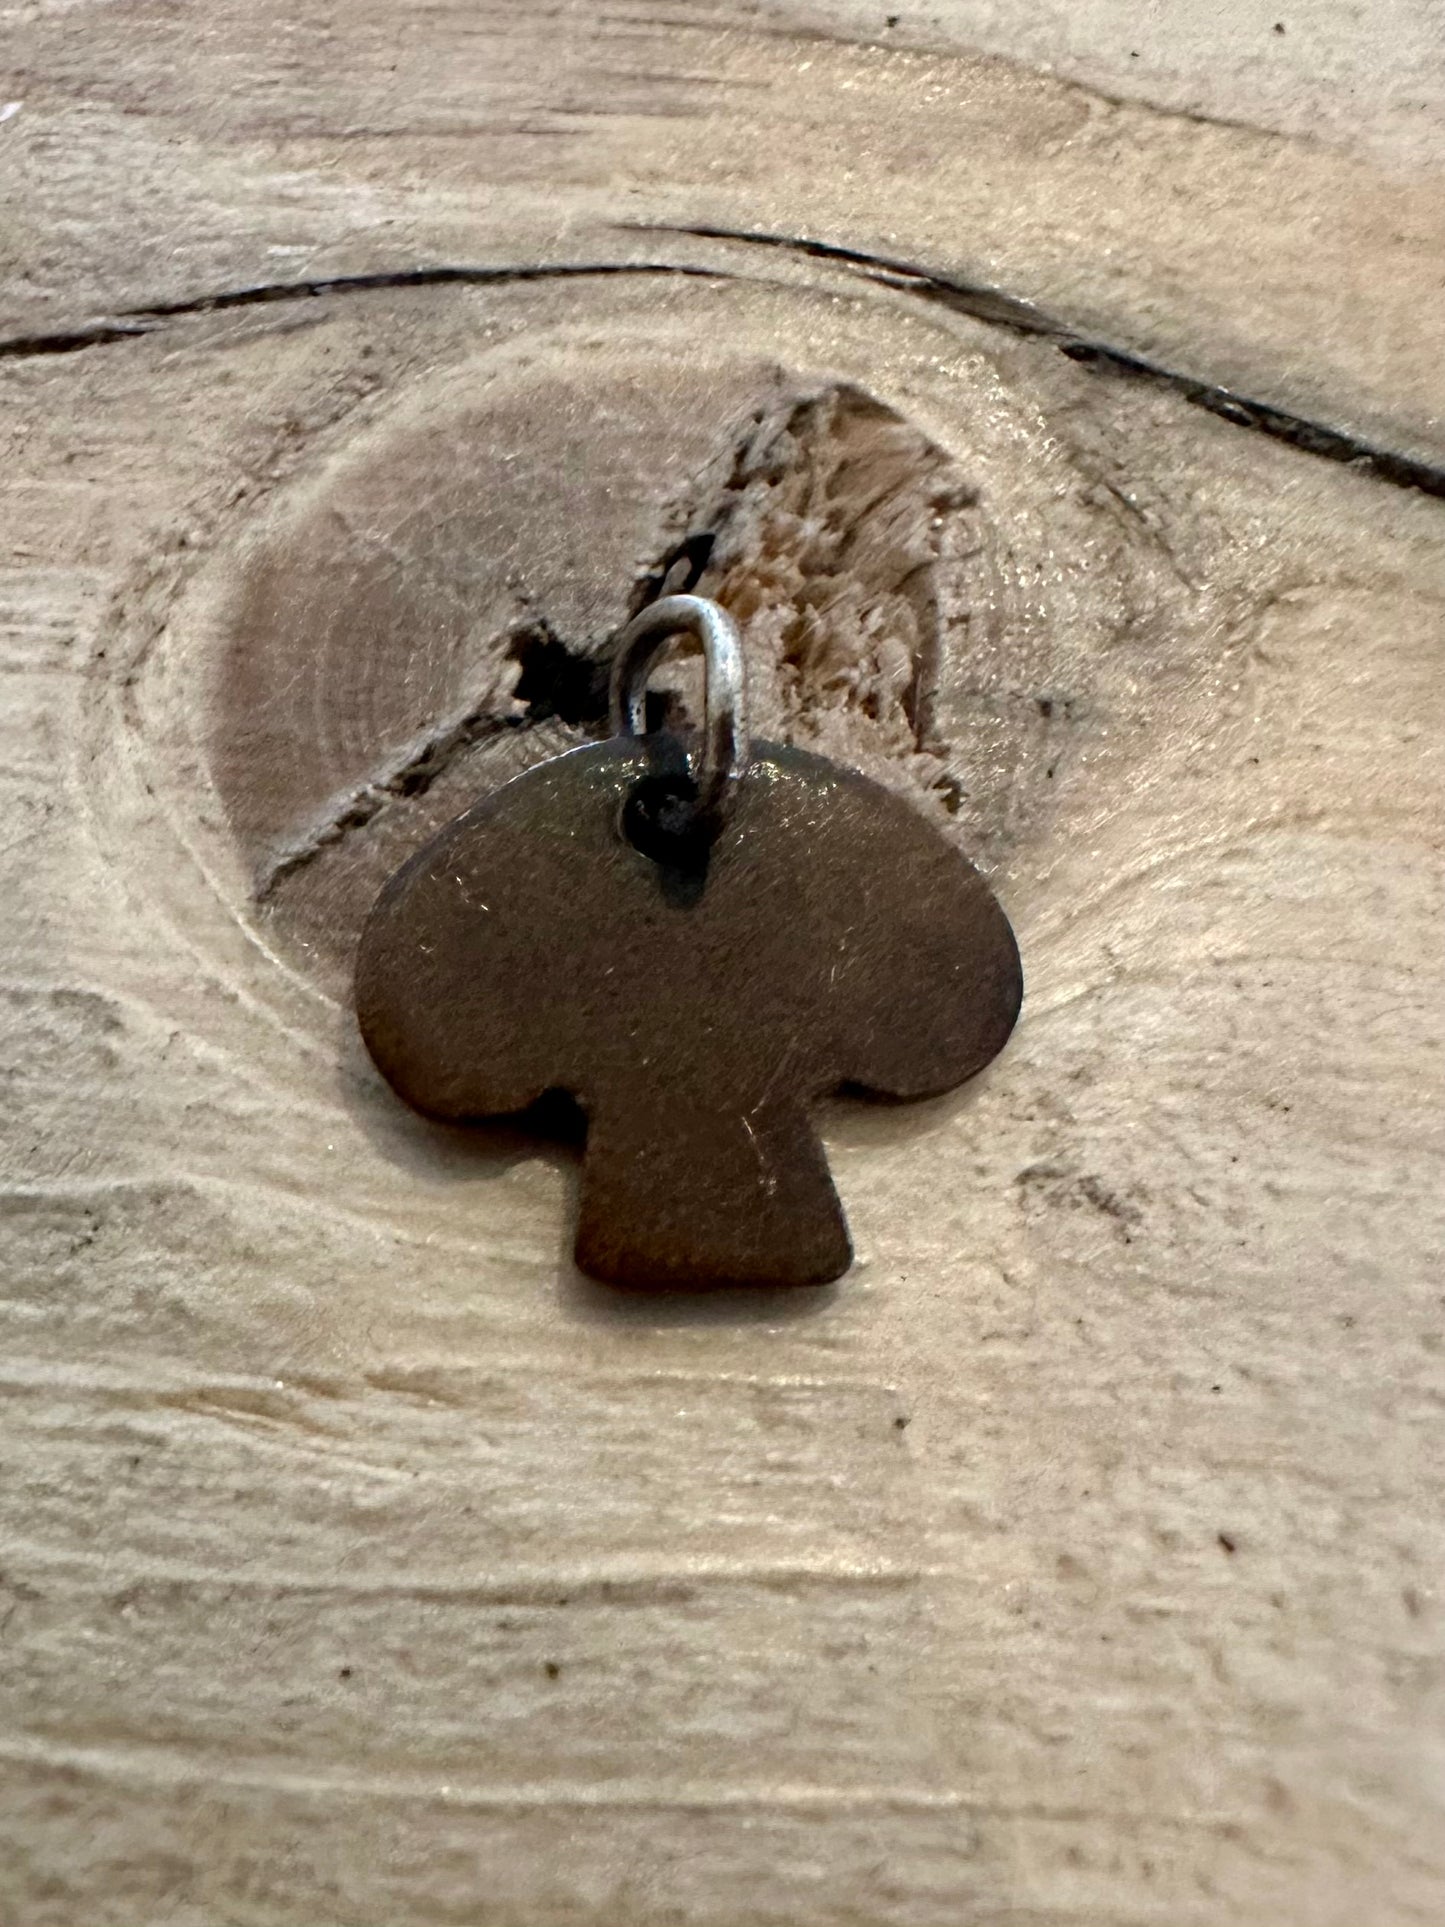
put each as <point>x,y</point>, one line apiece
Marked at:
<point>669,1582</point>
<point>157,1765</point>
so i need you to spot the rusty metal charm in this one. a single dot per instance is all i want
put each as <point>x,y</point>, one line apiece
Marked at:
<point>695,953</point>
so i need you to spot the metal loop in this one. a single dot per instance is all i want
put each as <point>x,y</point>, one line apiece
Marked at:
<point>724,748</point>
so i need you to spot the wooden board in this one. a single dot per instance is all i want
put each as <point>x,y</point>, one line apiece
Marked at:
<point>1077,1558</point>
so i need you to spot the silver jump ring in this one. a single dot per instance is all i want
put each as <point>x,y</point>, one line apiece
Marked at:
<point>724,747</point>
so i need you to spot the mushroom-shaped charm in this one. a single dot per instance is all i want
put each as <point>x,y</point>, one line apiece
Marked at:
<point>695,958</point>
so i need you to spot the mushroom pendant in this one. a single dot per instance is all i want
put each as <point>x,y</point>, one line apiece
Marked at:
<point>695,950</point>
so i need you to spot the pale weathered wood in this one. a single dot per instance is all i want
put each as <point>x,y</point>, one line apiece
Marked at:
<point>1077,1559</point>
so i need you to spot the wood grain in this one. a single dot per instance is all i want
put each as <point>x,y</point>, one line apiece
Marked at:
<point>1077,1559</point>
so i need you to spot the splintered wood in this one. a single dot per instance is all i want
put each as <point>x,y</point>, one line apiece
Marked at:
<point>1076,1559</point>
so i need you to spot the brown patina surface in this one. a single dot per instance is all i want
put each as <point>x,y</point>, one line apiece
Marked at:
<point>828,935</point>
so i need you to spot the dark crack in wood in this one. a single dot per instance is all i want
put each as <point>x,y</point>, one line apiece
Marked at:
<point>411,775</point>
<point>997,308</point>
<point>131,323</point>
